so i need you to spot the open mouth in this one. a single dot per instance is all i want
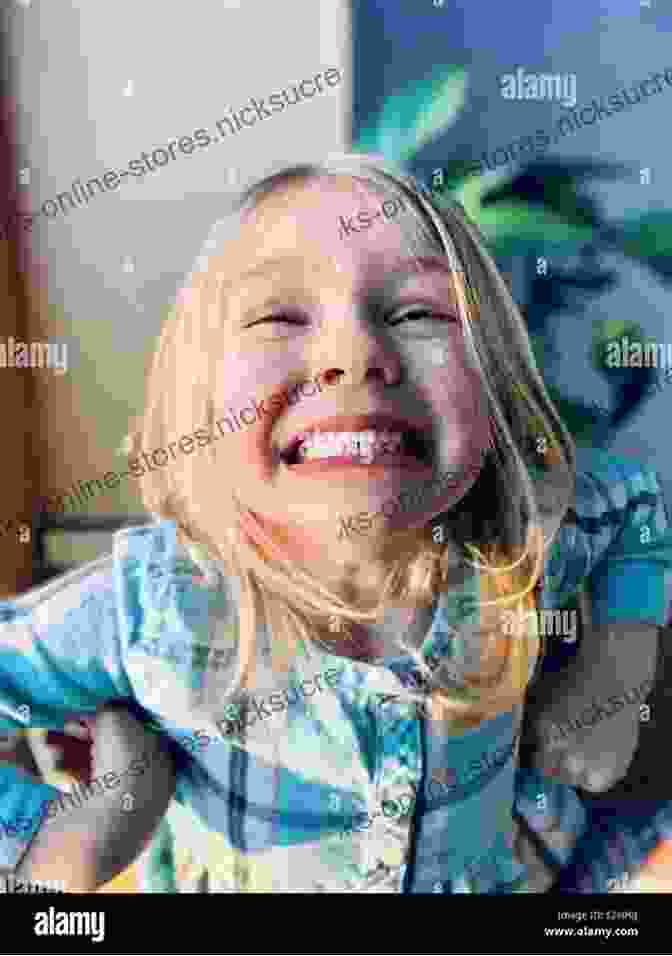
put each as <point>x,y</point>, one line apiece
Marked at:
<point>368,446</point>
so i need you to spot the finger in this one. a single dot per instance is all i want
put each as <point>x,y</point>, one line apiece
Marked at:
<point>601,779</point>
<point>540,875</point>
<point>78,729</point>
<point>550,761</point>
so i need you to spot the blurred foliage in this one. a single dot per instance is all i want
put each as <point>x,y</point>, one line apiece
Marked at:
<point>540,211</point>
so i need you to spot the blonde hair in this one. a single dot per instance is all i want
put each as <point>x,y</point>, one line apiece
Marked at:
<point>502,525</point>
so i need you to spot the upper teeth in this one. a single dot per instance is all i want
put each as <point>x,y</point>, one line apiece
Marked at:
<point>364,443</point>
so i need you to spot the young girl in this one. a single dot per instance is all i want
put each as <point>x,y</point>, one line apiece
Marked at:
<point>314,379</point>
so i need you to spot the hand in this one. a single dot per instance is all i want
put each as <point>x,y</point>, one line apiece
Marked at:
<point>585,720</point>
<point>88,839</point>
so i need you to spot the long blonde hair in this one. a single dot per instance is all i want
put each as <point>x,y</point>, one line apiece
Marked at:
<point>502,526</point>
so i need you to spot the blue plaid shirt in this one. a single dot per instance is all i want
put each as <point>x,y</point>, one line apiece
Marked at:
<point>326,779</point>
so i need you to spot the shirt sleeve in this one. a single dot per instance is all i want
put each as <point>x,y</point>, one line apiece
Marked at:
<point>60,655</point>
<point>617,538</point>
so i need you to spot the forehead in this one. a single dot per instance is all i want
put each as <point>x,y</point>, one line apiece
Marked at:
<point>295,234</point>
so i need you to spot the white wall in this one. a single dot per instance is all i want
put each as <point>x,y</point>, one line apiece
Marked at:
<point>188,66</point>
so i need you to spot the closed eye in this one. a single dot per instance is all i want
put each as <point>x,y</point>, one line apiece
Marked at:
<point>415,315</point>
<point>278,317</point>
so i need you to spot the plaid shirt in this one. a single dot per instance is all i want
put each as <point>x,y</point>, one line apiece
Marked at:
<point>273,791</point>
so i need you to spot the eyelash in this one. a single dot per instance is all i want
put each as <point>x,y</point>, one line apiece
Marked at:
<point>291,320</point>
<point>279,317</point>
<point>426,310</point>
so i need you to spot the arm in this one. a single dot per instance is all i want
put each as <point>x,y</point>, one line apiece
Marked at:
<point>60,655</point>
<point>586,718</point>
<point>133,780</point>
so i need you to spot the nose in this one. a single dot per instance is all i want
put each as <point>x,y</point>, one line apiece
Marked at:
<point>363,357</point>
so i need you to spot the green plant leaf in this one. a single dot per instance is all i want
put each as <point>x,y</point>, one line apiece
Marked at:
<point>557,185</point>
<point>612,330</point>
<point>412,118</point>
<point>648,239</point>
<point>508,225</point>
<point>471,190</point>
<point>648,235</point>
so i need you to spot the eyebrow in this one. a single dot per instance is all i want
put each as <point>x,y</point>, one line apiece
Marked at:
<point>410,266</point>
<point>415,265</point>
<point>393,277</point>
<point>269,267</point>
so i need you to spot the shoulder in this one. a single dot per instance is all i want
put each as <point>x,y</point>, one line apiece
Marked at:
<point>609,488</point>
<point>94,581</point>
<point>88,586</point>
<point>153,550</point>
<point>617,478</point>
<point>166,588</point>
<point>617,503</point>
<point>150,555</point>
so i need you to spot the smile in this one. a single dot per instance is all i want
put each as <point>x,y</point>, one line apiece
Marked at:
<point>362,440</point>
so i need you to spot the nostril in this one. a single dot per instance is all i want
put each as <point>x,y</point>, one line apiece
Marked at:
<point>290,455</point>
<point>332,375</point>
<point>417,445</point>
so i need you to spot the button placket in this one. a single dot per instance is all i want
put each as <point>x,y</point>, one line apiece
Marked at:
<point>397,773</point>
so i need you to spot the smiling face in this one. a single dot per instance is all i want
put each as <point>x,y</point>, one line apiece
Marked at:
<point>378,329</point>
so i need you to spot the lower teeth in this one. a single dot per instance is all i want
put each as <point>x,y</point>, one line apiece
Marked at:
<point>365,451</point>
<point>368,456</point>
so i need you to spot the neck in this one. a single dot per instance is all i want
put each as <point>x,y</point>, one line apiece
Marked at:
<point>372,641</point>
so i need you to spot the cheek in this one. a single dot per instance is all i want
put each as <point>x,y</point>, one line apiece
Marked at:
<point>460,409</point>
<point>243,381</point>
<point>460,406</point>
<point>242,377</point>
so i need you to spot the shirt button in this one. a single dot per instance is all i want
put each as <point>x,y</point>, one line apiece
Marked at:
<point>392,856</point>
